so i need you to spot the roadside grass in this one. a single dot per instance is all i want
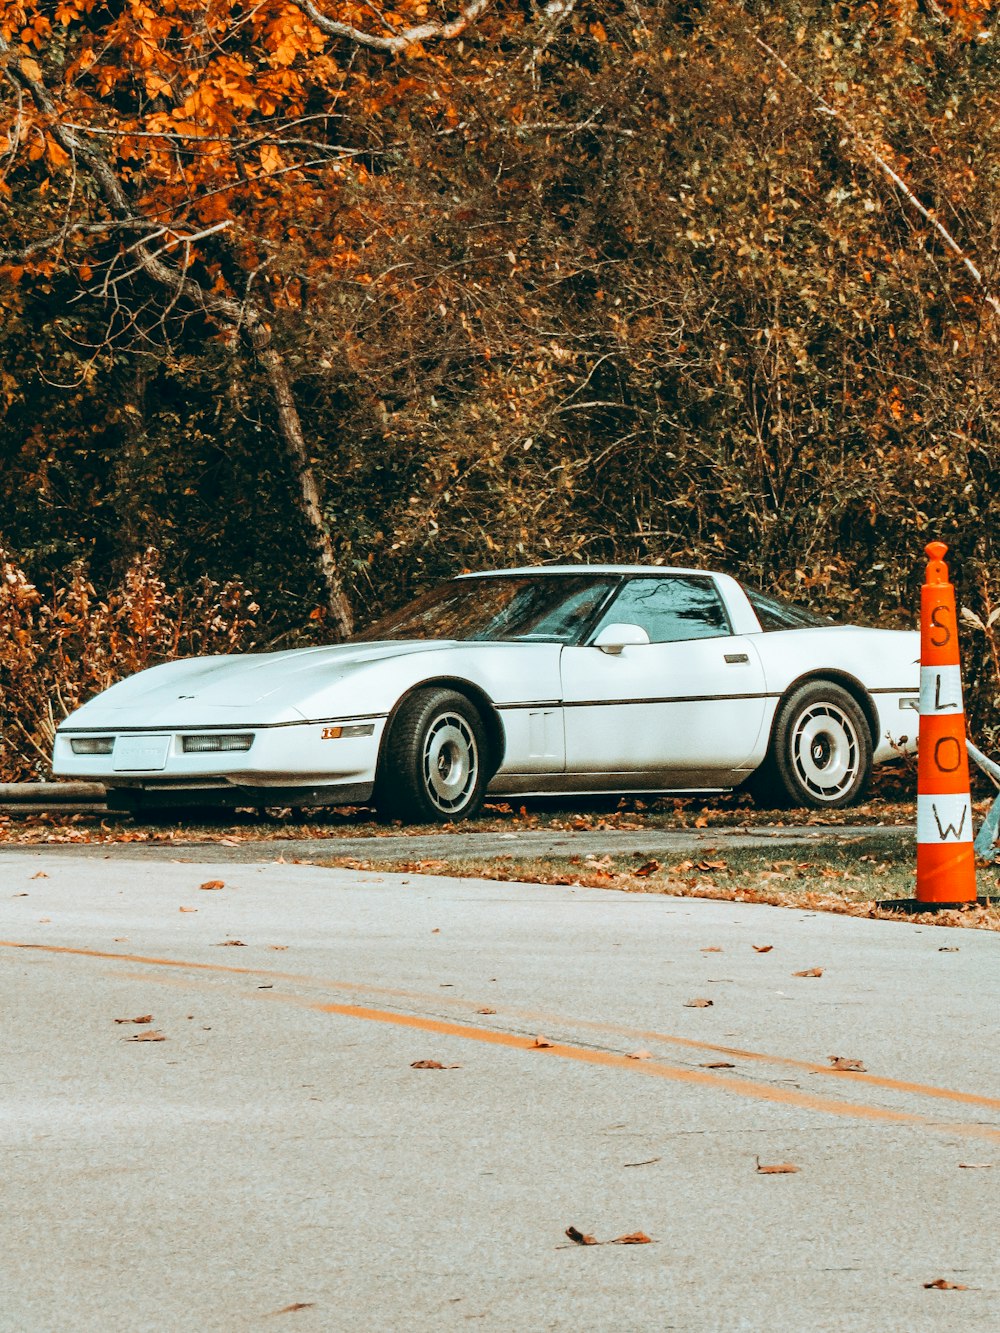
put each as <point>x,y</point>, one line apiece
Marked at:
<point>847,877</point>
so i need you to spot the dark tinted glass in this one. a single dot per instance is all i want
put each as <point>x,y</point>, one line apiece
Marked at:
<point>551,608</point>
<point>670,609</point>
<point>774,613</point>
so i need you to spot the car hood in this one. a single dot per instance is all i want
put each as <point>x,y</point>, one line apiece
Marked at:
<point>200,690</point>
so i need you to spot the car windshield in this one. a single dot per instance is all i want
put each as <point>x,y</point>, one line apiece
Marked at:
<point>775,613</point>
<point>553,608</point>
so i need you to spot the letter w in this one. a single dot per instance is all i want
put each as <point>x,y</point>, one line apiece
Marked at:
<point>949,830</point>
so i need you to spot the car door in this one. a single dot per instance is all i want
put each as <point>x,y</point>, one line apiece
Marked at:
<point>689,702</point>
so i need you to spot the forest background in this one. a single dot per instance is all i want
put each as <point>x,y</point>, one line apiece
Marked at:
<point>306,305</point>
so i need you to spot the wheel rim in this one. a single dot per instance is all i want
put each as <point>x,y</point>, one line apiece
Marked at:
<point>825,751</point>
<point>450,762</point>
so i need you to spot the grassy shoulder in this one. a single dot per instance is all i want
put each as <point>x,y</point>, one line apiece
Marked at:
<point>850,877</point>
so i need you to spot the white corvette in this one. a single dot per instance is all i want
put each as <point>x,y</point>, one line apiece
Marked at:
<point>571,679</point>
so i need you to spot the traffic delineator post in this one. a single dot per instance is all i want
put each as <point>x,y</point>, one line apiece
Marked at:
<point>946,858</point>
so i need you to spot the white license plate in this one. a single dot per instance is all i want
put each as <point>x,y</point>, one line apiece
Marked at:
<point>140,754</point>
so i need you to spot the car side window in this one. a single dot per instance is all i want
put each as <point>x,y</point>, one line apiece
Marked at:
<point>670,609</point>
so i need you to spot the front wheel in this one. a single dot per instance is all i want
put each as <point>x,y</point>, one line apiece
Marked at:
<point>821,749</point>
<point>435,765</point>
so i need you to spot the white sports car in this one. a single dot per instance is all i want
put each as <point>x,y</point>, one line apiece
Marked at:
<point>568,679</point>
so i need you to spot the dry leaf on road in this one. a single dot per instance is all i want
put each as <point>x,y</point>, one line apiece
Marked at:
<point>213,884</point>
<point>633,1238</point>
<point>777,1169</point>
<point>942,1284</point>
<point>579,1237</point>
<point>295,1305</point>
<point>762,948</point>
<point>647,868</point>
<point>718,1064</point>
<point>975,1166</point>
<point>698,1004</point>
<point>40,874</point>
<point>842,1062</point>
<point>639,1055</point>
<point>809,972</point>
<point>485,1011</point>
<point>541,1043</point>
<point>150,1035</point>
<point>711,948</point>
<point>143,1018</point>
<point>187,909</point>
<point>431,1064</point>
<point>231,944</point>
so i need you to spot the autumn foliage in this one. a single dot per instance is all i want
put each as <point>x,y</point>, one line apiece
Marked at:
<point>502,283</point>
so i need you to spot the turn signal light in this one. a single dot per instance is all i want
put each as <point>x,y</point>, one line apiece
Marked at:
<point>92,744</point>
<point>212,744</point>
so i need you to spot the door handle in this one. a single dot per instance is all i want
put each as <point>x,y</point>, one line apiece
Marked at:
<point>734,658</point>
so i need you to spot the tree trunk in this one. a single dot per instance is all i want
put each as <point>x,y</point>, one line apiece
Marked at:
<point>307,493</point>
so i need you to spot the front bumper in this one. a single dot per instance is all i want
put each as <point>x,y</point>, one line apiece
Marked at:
<point>307,755</point>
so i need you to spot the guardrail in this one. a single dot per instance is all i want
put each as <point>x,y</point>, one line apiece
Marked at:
<point>986,848</point>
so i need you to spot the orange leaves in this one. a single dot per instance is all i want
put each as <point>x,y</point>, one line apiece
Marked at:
<point>777,1169</point>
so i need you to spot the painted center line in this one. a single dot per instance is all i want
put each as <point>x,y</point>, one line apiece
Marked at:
<point>199,975</point>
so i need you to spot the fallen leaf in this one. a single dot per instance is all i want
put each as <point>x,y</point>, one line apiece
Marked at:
<point>213,884</point>
<point>151,1035</point>
<point>710,865</point>
<point>187,909</point>
<point>436,930</point>
<point>232,944</point>
<point>579,1237</point>
<point>809,972</point>
<point>948,948</point>
<point>540,1043</point>
<point>431,1064</point>
<point>143,1018</point>
<point>280,948</point>
<point>19,895</point>
<point>633,1238</point>
<point>762,948</point>
<point>296,1305</point>
<point>718,1064</point>
<point>778,1169</point>
<point>40,874</point>
<point>230,842</point>
<point>647,868</point>
<point>701,821</point>
<point>842,1062</point>
<point>942,1284</point>
<point>711,948</point>
<point>975,1166</point>
<point>485,1011</point>
<point>639,1055</point>
<point>698,1004</point>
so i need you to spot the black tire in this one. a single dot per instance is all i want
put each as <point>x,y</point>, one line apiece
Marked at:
<point>436,762</point>
<point>821,751</point>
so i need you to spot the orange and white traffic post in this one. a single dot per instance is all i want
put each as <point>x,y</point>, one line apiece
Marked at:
<point>946,866</point>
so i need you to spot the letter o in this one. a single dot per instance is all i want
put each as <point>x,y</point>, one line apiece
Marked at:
<point>942,744</point>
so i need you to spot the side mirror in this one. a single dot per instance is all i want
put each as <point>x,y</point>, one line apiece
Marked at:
<point>613,638</point>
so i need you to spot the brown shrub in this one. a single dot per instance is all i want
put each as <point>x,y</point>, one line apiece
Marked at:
<point>59,649</point>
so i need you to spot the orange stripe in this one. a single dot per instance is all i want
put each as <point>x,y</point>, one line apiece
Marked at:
<point>607,1059</point>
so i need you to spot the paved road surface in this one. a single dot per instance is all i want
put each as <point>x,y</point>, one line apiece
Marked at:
<point>278,1149</point>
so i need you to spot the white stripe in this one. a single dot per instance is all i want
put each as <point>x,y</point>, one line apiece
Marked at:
<point>944,819</point>
<point>940,690</point>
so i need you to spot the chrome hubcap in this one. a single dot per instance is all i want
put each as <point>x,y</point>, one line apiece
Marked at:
<point>450,762</point>
<point>825,751</point>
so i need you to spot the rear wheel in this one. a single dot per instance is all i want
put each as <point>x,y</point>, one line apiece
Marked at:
<point>821,750</point>
<point>435,765</point>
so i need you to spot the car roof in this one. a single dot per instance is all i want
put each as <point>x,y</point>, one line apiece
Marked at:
<point>585,569</point>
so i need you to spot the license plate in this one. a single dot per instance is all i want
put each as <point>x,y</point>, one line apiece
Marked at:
<point>140,754</point>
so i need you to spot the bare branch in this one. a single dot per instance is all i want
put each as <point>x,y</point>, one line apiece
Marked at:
<point>398,41</point>
<point>821,105</point>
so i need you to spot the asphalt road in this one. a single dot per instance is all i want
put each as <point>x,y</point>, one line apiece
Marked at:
<point>276,1161</point>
